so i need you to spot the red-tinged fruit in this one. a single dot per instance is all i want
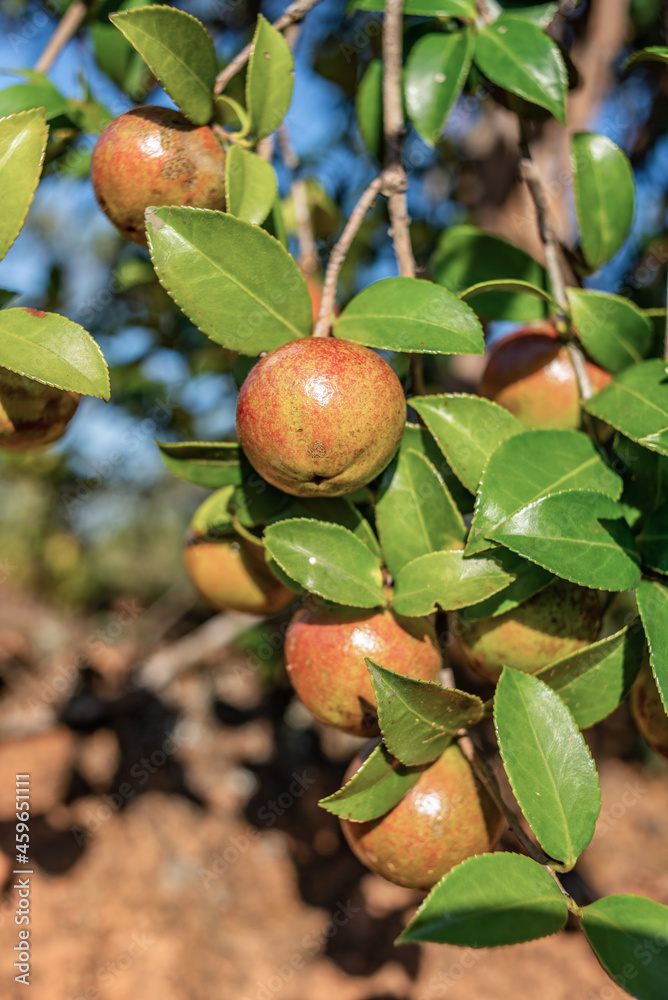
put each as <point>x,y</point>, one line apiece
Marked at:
<point>649,711</point>
<point>231,575</point>
<point>445,818</point>
<point>320,417</point>
<point>554,623</point>
<point>155,156</point>
<point>325,647</point>
<point>32,415</point>
<point>530,373</point>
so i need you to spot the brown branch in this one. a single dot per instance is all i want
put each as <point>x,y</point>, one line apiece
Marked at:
<point>67,27</point>
<point>295,12</point>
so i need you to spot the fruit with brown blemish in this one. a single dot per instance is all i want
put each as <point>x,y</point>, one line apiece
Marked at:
<point>32,415</point>
<point>445,818</point>
<point>155,156</point>
<point>552,624</point>
<point>649,711</point>
<point>325,647</point>
<point>320,416</point>
<point>530,373</point>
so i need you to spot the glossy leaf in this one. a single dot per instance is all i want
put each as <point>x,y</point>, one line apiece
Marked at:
<point>636,403</point>
<point>427,8</point>
<point>532,465</point>
<point>578,535</point>
<point>548,763</point>
<point>374,789</point>
<point>269,80</point>
<point>448,581</point>
<point>604,195</point>
<point>250,185</point>
<point>179,51</point>
<point>328,560</point>
<point>490,900</point>
<point>38,96</point>
<point>467,429</point>
<point>415,513</point>
<point>508,287</point>
<point>404,314</point>
<point>52,349</point>
<point>593,681</point>
<point>337,510</point>
<point>466,257</point>
<point>615,332</point>
<point>645,476</point>
<point>652,541</point>
<point>516,55</point>
<point>231,279</point>
<point>417,438</point>
<point>653,53</point>
<point>653,606</point>
<point>255,503</point>
<point>628,936</point>
<point>213,519</point>
<point>542,14</point>
<point>206,463</point>
<point>22,144</point>
<point>369,108</point>
<point>114,54</point>
<point>417,718</point>
<point>530,580</point>
<point>436,70</point>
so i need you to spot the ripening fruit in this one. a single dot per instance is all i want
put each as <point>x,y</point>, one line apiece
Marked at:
<point>531,374</point>
<point>32,415</point>
<point>445,818</point>
<point>649,711</point>
<point>554,623</point>
<point>325,646</point>
<point>232,575</point>
<point>320,417</point>
<point>155,156</point>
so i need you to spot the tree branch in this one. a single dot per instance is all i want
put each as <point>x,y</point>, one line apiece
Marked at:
<point>295,12</point>
<point>67,27</point>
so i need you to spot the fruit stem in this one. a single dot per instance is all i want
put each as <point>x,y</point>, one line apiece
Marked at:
<point>67,27</point>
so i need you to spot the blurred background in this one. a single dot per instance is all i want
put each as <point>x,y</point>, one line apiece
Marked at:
<point>178,848</point>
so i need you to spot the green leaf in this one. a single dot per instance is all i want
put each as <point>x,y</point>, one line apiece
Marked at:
<point>465,9</point>
<point>250,185</point>
<point>579,535</point>
<point>448,581</point>
<point>653,53</point>
<point>231,279</point>
<point>179,51</point>
<point>212,518</point>
<point>507,287</point>
<point>269,80</point>
<point>615,332</point>
<point>530,580</point>
<point>417,438</point>
<point>115,56</point>
<point>548,763</point>
<point>337,510</point>
<point>595,680</point>
<point>369,108</point>
<point>652,541</point>
<point>466,257</point>
<point>436,70</point>
<point>206,463</point>
<point>404,314</point>
<point>543,14</point>
<point>532,465</point>
<point>467,429</point>
<point>653,606</point>
<point>328,560</point>
<point>628,936</point>
<point>6,295</point>
<point>516,55</point>
<point>39,96</point>
<point>53,350</point>
<point>22,144</point>
<point>636,403</point>
<point>415,513</point>
<point>645,477</point>
<point>374,789</point>
<point>604,195</point>
<point>490,900</point>
<point>418,718</point>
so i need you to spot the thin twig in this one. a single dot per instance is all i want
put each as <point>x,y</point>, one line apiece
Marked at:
<point>481,7</point>
<point>295,12</point>
<point>308,254</point>
<point>67,27</point>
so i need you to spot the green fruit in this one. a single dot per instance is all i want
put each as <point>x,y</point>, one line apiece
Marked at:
<point>325,647</point>
<point>446,817</point>
<point>320,417</point>
<point>554,623</point>
<point>32,415</point>
<point>649,711</point>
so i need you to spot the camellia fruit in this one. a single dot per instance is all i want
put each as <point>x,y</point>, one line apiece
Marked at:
<point>550,625</point>
<point>155,156</point>
<point>531,374</point>
<point>320,417</point>
<point>649,711</point>
<point>32,414</point>
<point>445,818</point>
<point>325,647</point>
